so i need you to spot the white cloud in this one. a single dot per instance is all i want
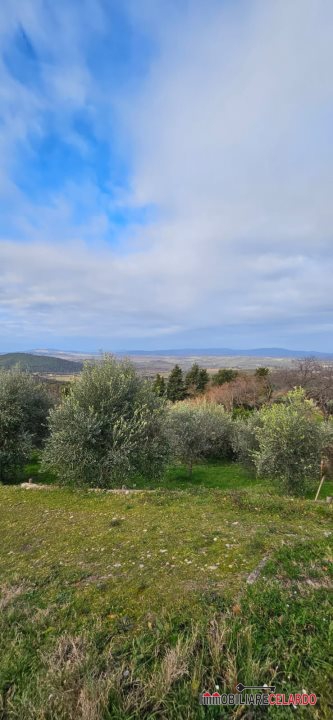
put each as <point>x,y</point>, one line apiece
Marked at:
<point>230,140</point>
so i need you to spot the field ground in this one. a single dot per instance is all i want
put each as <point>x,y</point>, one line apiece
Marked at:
<point>126,606</point>
<point>151,364</point>
<point>63,377</point>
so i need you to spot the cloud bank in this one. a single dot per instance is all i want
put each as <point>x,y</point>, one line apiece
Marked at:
<point>167,173</point>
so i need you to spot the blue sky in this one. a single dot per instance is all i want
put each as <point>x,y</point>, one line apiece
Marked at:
<point>166,174</point>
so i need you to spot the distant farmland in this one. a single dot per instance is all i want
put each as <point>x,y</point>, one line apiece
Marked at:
<point>63,365</point>
<point>150,364</point>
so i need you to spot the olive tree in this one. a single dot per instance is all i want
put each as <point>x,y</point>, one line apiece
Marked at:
<point>24,407</point>
<point>290,441</point>
<point>327,452</point>
<point>198,432</point>
<point>244,437</point>
<point>108,428</point>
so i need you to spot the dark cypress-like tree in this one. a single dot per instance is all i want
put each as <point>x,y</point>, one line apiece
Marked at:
<point>192,377</point>
<point>196,378</point>
<point>224,375</point>
<point>159,385</point>
<point>203,379</point>
<point>176,387</point>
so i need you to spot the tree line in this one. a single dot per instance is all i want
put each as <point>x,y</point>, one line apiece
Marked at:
<point>179,385</point>
<point>246,391</point>
<point>112,426</point>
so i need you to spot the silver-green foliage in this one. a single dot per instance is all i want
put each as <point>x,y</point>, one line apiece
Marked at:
<point>24,407</point>
<point>199,431</point>
<point>244,437</point>
<point>109,428</point>
<point>291,437</point>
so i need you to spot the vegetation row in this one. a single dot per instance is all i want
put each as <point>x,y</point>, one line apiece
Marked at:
<point>112,425</point>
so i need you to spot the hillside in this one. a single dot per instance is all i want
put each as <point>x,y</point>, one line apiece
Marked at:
<point>38,364</point>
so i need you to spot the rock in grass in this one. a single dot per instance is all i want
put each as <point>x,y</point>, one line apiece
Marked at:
<point>256,572</point>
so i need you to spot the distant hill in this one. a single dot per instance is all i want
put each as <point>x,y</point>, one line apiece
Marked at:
<point>40,364</point>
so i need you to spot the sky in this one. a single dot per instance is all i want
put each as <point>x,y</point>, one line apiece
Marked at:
<point>166,174</point>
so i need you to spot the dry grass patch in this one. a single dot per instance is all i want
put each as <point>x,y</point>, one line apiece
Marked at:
<point>9,593</point>
<point>74,684</point>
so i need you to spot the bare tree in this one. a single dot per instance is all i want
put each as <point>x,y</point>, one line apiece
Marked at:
<point>247,391</point>
<point>315,377</point>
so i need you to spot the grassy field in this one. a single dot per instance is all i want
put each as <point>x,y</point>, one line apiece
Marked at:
<point>127,605</point>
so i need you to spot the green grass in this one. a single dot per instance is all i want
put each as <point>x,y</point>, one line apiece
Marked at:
<point>32,471</point>
<point>126,606</point>
<point>220,475</point>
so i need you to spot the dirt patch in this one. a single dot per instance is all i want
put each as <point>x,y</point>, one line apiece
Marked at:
<point>115,491</point>
<point>37,486</point>
<point>120,491</point>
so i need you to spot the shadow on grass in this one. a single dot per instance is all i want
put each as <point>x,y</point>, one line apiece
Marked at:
<point>219,475</point>
<point>225,475</point>
<point>32,471</point>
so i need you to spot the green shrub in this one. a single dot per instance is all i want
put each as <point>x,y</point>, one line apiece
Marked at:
<point>328,448</point>
<point>24,407</point>
<point>109,427</point>
<point>244,436</point>
<point>262,372</point>
<point>199,431</point>
<point>290,438</point>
